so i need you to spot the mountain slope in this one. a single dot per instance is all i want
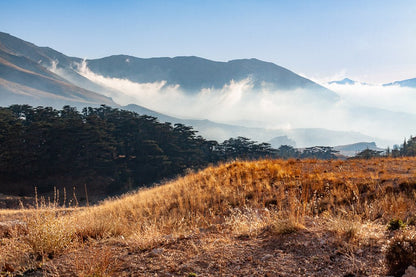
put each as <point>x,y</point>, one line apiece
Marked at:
<point>42,55</point>
<point>405,83</point>
<point>25,77</point>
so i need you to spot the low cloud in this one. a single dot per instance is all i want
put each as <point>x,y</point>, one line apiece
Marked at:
<point>361,108</point>
<point>392,98</point>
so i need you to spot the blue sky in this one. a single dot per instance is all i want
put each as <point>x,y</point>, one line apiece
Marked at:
<point>369,40</point>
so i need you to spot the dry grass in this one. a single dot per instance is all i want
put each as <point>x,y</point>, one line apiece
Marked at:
<point>244,198</point>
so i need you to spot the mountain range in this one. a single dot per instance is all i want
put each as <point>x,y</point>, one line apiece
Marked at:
<point>411,83</point>
<point>193,74</point>
<point>25,66</point>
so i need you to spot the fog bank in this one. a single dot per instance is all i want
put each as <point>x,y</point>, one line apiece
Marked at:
<point>384,112</point>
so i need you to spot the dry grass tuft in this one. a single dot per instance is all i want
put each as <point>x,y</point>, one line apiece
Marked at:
<point>348,230</point>
<point>284,226</point>
<point>49,234</point>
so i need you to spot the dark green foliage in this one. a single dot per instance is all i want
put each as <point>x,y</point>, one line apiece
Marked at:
<point>407,149</point>
<point>319,152</point>
<point>109,150</point>
<point>244,148</point>
<point>401,253</point>
<point>395,224</point>
<point>44,147</point>
<point>368,154</point>
<point>287,151</point>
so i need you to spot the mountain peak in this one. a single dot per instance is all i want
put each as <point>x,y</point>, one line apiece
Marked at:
<point>345,81</point>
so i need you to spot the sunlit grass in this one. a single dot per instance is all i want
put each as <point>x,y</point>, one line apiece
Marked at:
<point>244,198</point>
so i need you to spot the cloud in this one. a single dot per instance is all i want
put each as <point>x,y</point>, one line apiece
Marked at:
<point>372,110</point>
<point>392,98</point>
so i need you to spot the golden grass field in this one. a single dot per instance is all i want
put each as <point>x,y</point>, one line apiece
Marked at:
<point>265,218</point>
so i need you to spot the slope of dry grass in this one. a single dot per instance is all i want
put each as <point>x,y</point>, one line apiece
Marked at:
<point>346,205</point>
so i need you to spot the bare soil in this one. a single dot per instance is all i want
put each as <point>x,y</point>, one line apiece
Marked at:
<point>312,251</point>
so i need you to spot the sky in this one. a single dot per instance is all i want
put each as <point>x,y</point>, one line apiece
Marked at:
<point>367,40</point>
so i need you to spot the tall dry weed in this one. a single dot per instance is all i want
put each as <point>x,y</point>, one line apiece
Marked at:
<point>48,233</point>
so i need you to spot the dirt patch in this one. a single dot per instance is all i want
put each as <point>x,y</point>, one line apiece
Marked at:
<point>312,251</point>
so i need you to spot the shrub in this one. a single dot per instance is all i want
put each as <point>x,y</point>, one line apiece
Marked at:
<point>395,224</point>
<point>48,233</point>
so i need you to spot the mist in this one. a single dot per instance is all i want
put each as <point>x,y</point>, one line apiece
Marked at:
<point>392,98</point>
<point>380,112</point>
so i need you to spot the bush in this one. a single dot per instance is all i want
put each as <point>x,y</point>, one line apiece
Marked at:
<point>401,253</point>
<point>395,224</point>
<point>48,233</point>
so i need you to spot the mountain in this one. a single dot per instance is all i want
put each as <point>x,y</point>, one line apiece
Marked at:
<point>347,81</point>
<point>411,83</point>
<point>344,81</point>
<point>26,79</point>
<point>352,149</point>
<point>193,73</point>
<point>276,142</point>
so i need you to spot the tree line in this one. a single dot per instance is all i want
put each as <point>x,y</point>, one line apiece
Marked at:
<point>110,150</point>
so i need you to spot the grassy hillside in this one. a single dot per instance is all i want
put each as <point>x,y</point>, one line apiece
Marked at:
<point>291,217</point>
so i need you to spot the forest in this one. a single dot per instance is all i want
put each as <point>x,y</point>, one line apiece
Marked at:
<point>109,150</point>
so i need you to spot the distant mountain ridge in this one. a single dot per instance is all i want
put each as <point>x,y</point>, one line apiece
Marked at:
<point>345,81</point>
<point>194,73</point>
<point>411,83</point>
<point>191,73</point>
<point>353,149</point>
